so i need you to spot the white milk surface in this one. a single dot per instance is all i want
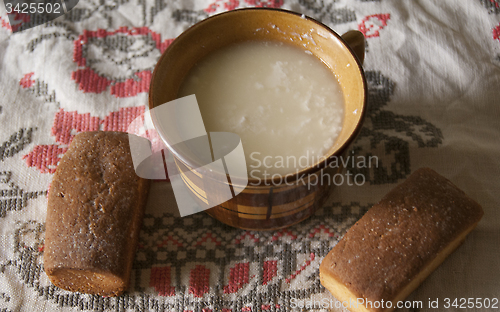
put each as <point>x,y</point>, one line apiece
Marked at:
<point>285,104</point>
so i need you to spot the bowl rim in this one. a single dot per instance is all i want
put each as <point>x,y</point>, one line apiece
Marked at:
<point>283,180</point>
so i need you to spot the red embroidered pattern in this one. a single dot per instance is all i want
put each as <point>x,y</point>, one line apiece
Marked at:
<point>227,5</point>
<point>44,157</point>
<point>26,81</point>
<point>265,3</point>
<point>168,240</point>
<point>496,33</point>
<point>208,237</point>
<point>270,271</point>
<point>5,24</point>
<point>245,235</point>
<point>68,124</point>
<point>283,232</point>
<point>131,86</point>
<point>302,268</point>
<point>160,277</point>
<point>199,281</point>
<point>238,277</point>
<point>371,24</point>
<point>120,120</point>
<point>161,281</point>
<point>90,81</point>
<point>321,229</point>
<point>266,307</point>
<point>20,19</point>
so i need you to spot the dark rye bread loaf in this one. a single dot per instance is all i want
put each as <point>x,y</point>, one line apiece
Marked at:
<point>95,209</point>
<point>399,242</point>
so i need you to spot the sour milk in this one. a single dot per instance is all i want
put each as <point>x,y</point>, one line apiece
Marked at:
<point>284,103</point>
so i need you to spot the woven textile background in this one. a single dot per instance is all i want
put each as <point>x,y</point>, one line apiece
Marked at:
<point>433,71</point>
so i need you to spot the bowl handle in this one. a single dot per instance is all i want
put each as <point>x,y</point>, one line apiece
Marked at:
<point>356,40</point>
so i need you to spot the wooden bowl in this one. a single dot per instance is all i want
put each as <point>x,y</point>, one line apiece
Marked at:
<point>269,204</point>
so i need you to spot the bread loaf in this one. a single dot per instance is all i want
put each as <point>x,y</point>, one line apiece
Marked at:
<point>399,242</point>
<point>95,209</point>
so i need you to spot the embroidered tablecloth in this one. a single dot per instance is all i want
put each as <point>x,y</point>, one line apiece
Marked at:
<point>433,73</point>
